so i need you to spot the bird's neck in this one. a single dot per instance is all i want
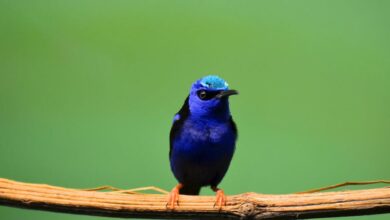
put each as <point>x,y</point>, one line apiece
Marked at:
<point>221,112</point>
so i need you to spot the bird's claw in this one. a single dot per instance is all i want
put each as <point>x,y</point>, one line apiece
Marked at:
<point>220,200</point>
<point>173,199</point>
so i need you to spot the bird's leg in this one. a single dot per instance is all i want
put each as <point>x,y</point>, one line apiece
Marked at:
<point>174,196</point>
<point>220,200</point>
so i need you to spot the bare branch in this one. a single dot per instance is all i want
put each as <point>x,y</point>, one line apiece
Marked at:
<point>244,206</point>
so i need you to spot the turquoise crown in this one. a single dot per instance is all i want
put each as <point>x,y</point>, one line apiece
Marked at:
<point>214,82</point>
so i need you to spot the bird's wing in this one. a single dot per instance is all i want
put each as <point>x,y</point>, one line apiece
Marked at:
<point>234,127</point>
<point>178,123</point>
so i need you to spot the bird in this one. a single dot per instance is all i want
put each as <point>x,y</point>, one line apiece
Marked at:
<point>202,140</point>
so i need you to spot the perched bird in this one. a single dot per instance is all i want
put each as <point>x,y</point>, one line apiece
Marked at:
<point>202,140</point>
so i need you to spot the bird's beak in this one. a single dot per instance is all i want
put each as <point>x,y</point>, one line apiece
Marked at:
<point>226,93</point>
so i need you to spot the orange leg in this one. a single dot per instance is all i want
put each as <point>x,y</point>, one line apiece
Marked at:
<point>174,196</point>
<point>220,197</point>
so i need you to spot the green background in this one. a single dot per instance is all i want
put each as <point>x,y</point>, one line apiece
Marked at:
<point>88,90</point>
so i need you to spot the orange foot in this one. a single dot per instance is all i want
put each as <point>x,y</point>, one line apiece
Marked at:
<point>220,200</point>
<point>173,198</point>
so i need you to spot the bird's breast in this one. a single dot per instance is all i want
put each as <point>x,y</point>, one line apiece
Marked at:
<point>212,132</point>
<point>201,150</point>
<point>199,136</point>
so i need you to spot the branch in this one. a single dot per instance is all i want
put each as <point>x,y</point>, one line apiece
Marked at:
<point>243,206</point>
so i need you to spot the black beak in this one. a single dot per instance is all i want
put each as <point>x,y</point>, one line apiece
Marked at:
<point>227,93</point>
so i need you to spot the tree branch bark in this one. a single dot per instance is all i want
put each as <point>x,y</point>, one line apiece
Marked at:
<point>243,206</point>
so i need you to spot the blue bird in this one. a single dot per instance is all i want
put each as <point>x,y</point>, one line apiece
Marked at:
<point>202,140</point>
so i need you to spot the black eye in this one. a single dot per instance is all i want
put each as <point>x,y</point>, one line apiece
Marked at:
<point>207,95</point>
<point>202,94</point>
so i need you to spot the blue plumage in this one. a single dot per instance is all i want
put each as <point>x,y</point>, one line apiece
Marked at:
<point>202,138</point>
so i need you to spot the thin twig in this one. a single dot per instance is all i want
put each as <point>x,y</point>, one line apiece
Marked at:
<point>345,184</point>
<point>129,191</point>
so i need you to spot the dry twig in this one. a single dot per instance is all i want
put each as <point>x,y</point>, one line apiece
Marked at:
<point>345,184</point>
<point>244,206</point>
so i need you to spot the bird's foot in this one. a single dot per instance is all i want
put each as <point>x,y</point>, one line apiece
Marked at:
<point>173,198</point>
<point>220,200</point>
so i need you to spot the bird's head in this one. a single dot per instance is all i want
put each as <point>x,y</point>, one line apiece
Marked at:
<point>209,97</point>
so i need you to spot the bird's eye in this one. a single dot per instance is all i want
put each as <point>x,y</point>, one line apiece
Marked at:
<point>207,95</point>
<point>202,94</point>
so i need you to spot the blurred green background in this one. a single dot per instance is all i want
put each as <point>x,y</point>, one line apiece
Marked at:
<point>88,90</point>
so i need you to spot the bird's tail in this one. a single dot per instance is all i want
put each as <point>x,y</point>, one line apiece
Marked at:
<point>190,190</point>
